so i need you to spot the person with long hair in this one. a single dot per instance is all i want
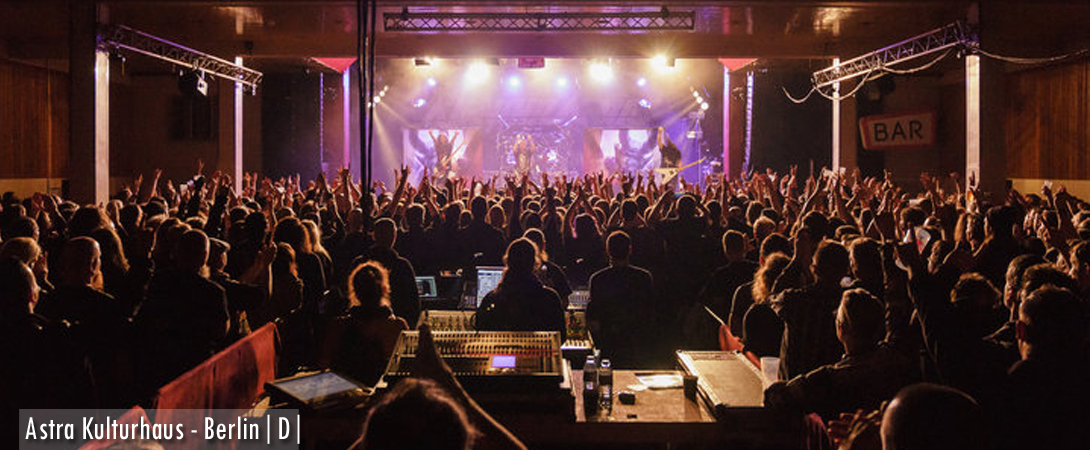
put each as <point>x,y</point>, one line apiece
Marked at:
<point>360,342</point>
<point>521,302</point>
<point>583,242</point>
<point>314,236</point>
<point>27,251</point>
<point>550,273</point>
<point>100,324</point>
<point>290,230</point>
<point>116,278</point>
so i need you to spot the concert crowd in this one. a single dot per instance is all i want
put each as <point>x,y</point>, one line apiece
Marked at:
<point>923,316</point>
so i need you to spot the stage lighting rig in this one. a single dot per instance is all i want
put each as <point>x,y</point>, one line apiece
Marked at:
<point>120,37</point>
<point>538,22</point>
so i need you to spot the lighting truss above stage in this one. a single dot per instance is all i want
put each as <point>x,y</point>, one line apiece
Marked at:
<point>949,36</point>
<point>122,37</point>
<point>638,21</point>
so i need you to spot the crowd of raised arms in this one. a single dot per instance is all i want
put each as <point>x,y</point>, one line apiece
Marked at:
<point>859,286</point>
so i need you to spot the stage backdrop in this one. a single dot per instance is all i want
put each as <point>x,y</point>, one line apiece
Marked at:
<point>613,150</point>
<point>418,150</point>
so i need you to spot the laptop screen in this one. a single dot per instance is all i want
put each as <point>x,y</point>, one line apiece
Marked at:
<point>487,280</point>
<point>426,287</point>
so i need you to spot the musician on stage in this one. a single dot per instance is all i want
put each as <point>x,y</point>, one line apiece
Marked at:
<point>524,153</point>
<point>671,156</point>
<point>444,151</point>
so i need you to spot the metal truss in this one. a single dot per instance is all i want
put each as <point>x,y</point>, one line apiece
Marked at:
<point>639,21</point>
<point>949,36</point>
<point>112,36</point>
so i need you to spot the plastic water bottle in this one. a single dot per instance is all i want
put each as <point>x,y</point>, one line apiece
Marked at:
<point>605,386</point>
<point>590,386</point>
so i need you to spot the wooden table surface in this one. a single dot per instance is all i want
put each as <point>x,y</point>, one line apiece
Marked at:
<point>652,405</point>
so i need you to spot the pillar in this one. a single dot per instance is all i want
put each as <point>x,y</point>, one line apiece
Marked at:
<point>985,141</point>
<point>89,110</point>
<point>836,121</point>
<point>239,93</point>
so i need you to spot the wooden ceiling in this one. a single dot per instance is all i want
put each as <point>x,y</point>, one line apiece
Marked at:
<point>296,30</point>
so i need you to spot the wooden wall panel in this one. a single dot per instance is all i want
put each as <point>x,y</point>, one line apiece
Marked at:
<point>33,122</point>
<point>1048,122</point>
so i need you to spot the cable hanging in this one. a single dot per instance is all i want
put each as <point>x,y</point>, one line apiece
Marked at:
<point>873,65</point>
<point>796,100</point>
<point>1020,60</point>
<point>872,74</point>
<point>862,81</point>
<point>921,68</point>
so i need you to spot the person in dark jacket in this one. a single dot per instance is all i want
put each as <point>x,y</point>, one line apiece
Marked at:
<point>521,302</point>
<point>404,297</point>
<point>718,292</point>
<point>809,338</point>
<point>869,373</point>
<point>620,303</point>
<point>185,317</point>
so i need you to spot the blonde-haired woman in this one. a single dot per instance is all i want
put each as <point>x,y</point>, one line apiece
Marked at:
<point>360,342</point>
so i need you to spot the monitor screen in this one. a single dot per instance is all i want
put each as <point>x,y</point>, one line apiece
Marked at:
<point>503,361</point>
<point>426,287</point>
<point>487,280</point>
<point>317,386</point>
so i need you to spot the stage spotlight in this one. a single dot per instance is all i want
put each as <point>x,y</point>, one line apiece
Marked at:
<point>476,73</point>
<point>662,63</point>
<point>696,94</point>
<point>699,99</point>
<point>377,99</point>
<point>192,83</point>
<point>419,103</point>
<point>704,106</point>
<point>432,82</point>
<point>513,81</point>
<point>641,82</point>
<point>601,71</point>
<point>562,82</point>
<point>645,103</point>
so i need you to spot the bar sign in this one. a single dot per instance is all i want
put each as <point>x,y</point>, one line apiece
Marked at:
<point>898,131</point>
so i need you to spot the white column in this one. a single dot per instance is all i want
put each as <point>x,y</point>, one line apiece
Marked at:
<point>836,121</point>
<point>346,96</point>
<point>238,132</point>
<point>972,117</point>
<point>726,121</point>
<point>102,127</point>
